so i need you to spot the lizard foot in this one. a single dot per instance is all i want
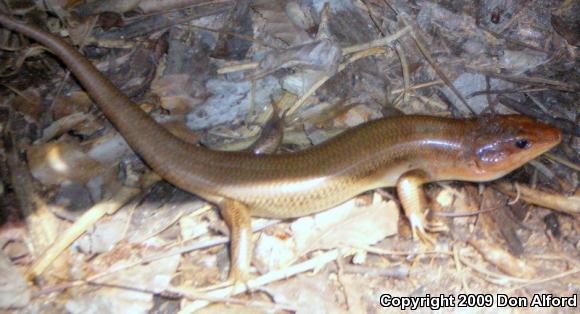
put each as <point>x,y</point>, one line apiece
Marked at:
<point>418,227</point>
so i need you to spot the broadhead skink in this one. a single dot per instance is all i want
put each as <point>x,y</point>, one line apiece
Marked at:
<point>404,152</point>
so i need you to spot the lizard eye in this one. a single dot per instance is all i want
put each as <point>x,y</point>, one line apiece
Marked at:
<point>522,143</point>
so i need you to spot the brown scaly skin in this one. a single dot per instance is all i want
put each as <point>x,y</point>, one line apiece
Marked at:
<point>405,152</point>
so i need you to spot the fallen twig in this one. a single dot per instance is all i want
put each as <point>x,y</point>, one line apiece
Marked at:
<point>88,219</point>
<point>552,200</point>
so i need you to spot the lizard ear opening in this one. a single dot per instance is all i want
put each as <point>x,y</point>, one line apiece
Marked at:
<point>491,154</point>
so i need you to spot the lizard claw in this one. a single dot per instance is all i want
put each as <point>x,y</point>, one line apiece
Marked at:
<point>235,278</point>
<point>419,230</point>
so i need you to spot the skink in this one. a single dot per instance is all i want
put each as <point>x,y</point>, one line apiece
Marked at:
<point>404,152</point>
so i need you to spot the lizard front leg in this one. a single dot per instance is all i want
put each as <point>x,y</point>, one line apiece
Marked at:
<point>414,202</point>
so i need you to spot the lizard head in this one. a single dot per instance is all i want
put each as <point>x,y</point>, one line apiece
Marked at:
<point>501,144</point>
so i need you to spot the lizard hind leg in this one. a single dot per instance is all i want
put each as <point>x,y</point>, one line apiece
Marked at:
<point>237,217</point>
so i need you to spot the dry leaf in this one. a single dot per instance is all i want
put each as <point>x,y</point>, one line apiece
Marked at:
<point>54,163</point>
<point>274,252</point>
<point>154,276</point>
<point>346,225</point>
<point>28,103</point>
<point>71,103</point>
<point>308,294</point>
<point>14,291</point>
<point>321,55</point>
<point>230,100</point>
<point>275,27</point>
<point>173,91</point>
